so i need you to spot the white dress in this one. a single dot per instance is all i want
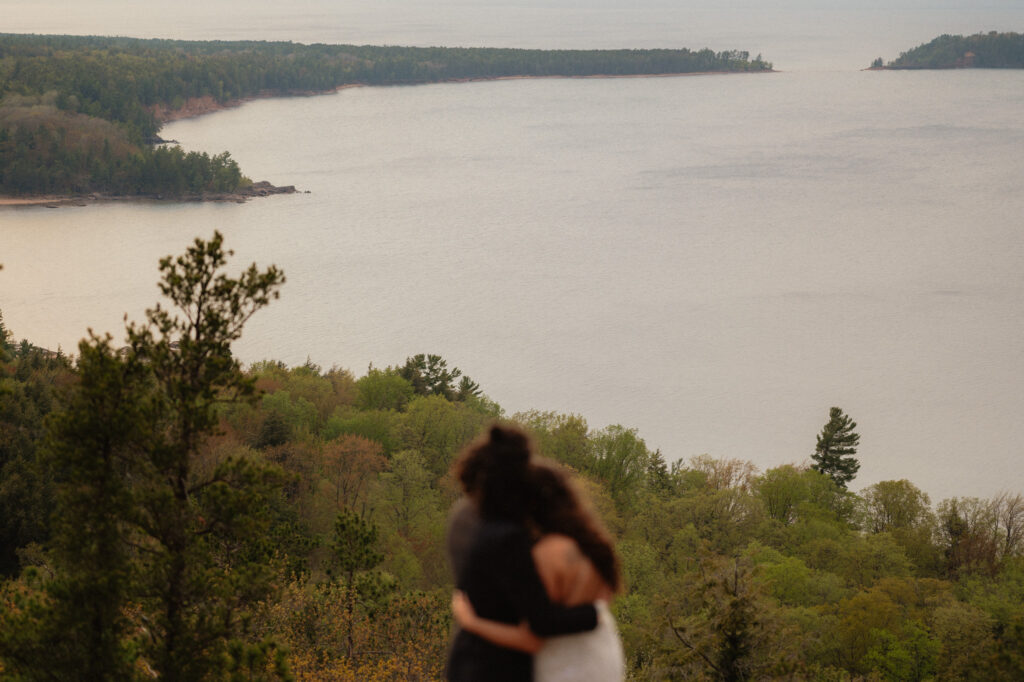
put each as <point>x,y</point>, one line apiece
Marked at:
<point>594,656</point>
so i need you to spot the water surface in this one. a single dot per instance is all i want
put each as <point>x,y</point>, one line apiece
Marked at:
<point>714,260</point>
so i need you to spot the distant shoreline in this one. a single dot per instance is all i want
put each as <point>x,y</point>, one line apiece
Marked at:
<point>201,106</point>
<point>257,189</point>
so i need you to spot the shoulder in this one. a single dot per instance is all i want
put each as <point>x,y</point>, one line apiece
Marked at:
<point>555,542</point>
<point>463,516</point>
<point>463,524</point>
<point>555,546</point>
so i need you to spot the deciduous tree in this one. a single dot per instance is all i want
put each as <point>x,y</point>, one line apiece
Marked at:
<point>350,463</point>
<point>969,536</point>
<point>888,506</point>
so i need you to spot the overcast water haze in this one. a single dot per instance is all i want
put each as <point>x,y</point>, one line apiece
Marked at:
<point>713,260</point>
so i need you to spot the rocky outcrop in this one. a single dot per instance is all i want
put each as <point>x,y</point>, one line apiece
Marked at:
<point>264,189</point>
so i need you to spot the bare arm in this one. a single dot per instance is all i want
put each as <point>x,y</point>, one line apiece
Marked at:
<point>568,575</point>
<point>516,637</point>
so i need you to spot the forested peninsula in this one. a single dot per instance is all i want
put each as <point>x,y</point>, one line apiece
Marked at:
<point>168,514</point>
<point>81,115</point>
<point>991,50</point>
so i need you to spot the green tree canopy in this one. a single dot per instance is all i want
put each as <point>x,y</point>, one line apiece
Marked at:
<point>837,445</point>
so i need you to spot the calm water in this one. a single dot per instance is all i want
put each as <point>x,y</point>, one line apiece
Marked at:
<point>712,260</point>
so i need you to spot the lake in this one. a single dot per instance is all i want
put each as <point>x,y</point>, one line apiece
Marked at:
<point>713,260</point>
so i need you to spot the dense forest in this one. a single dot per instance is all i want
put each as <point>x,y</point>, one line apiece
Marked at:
<point>980,51</point>
<point>165,512</point>
<point>81,114</point>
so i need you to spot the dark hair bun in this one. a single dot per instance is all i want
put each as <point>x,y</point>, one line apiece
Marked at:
<point>510,447</point>
<point>496,469</point>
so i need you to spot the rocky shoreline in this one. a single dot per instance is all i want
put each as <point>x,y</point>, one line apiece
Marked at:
<point>256,189</point>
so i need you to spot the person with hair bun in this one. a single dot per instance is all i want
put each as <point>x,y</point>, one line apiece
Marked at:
<point>577,565</point>
<point>497,572</point>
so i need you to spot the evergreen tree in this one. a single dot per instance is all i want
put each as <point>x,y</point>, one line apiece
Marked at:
<point>5,345</point>
<point>837,443</point>
<point>147,520</point>
<point>201,528</point>
<point>31,380</point>
<point>93,449</point>
<point>659,479</point>
<point>354,551</point>
<point>467,389</point>
<point>429,375</point>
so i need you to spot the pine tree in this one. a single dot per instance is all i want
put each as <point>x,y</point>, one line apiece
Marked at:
<point>201,565</point>
<point>138,522</point>
<point>837,443</point>
<point>429,375</point>
<point>353,551</point>
<point>93,448</point>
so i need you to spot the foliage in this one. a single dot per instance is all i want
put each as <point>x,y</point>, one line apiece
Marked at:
<point>836,447</point>
<point>968,535</point>
<point>354,552</point>
<point>383,390</point>
<point>81,113</point>
<point>145,514</point>
<point>199,523</point>
<point>350,465</point>
<point>405,639</point>
<point>990,50</point>
<point>166,512</point>
<point>562,437</point>
<point>619,458</point>
<point>890,506</point>
<point>724,629</point>
<point>44,149</point>
<point>429,375</point>
<point>438,428</point>
<point>93,448</point>
<point>31,380</point>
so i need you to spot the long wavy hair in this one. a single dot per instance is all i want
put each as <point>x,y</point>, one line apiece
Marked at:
<point>494,470</point>
<point>556,507</point>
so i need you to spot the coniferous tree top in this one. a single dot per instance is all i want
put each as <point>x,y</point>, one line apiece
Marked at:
<point>836,447</point>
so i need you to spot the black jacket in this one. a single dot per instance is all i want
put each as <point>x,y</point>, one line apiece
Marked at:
<point>501,581</point>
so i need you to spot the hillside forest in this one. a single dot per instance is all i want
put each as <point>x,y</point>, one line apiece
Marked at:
<point>165,512</point>
<point>992,50</point>
<point>81,114</point>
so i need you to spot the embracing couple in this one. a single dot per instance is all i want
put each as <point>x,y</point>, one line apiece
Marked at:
<point>534,570</point>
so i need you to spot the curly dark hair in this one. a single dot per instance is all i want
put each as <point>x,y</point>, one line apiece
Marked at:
<point>556,507</point>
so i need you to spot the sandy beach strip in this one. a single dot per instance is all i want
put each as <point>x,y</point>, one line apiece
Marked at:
<point>42,201</point>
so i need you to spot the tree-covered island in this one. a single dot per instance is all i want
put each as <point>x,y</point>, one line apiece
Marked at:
<point>992,50</point>
<point>81,115</point>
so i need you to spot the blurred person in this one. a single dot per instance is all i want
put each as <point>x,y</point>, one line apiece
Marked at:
<point>495,569</point>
